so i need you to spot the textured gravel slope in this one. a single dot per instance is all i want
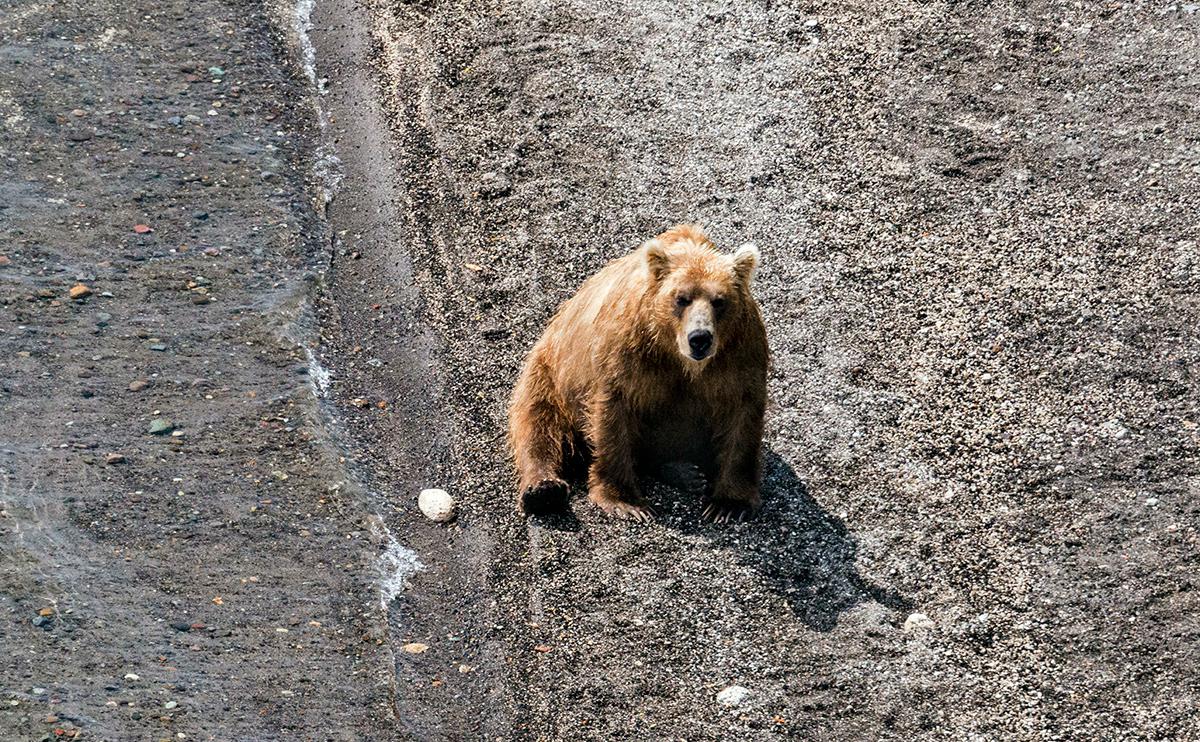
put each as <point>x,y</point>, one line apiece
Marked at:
<point>980,262</point>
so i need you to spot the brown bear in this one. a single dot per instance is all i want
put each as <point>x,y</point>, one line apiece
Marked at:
<point>660,358</point>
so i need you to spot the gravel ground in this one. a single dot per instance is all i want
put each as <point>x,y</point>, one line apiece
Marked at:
<point>980,262</point>
<point>979,268</point>
<point>215,582</point>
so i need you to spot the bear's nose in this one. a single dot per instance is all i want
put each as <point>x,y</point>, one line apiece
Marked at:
<point>700,341</point>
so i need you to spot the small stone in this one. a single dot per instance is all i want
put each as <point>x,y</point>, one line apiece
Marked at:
<point>437,505</point>
<point>158,347</point>
<point>200,299</point>
<point>160,426</point>
<point>170,705</point>
<point>46,611</point>
<point>114,458</point>
<point>5,260</point>
<point>917,621</point>
<point>464,669</point>
<point>42,622</point>
<point>138,385</point>
<point>415,647</point>
<point>181,626</point>
<point>543,648</point>
<point>494,185</point>
<point>734,695</point>
<point>1151,501</point>
<point>38,691</point>
<point>79,291</point>
<point>132,676</point>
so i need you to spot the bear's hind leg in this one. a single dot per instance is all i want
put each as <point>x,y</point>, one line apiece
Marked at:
<point>538,428</point>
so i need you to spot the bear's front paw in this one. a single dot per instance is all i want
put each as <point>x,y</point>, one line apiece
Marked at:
<point>621,507</point>
<point>545,496</point>
<point>724,510</point>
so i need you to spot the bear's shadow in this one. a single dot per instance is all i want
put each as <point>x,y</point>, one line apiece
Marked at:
<point>804,553</point>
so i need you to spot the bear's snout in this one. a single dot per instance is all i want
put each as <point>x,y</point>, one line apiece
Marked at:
<point>700,342</point>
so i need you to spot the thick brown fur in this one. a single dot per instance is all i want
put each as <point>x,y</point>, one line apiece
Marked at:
<point>614,369</point>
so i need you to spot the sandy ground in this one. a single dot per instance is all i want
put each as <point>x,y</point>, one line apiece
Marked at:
<point>978,224</point>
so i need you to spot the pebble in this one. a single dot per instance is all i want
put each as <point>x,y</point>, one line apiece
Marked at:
<point>138,385</point>
<point>494,185</point>
<point>160,426</point>
<point>437,505</point>
<point>1151,501</point>
<point>415,647</point>
<point>917,621</point>
<point>114,458</point>
<point>132,676</point>
<point>79,291</point>
<point>170,705</point>
<point>734,695</point>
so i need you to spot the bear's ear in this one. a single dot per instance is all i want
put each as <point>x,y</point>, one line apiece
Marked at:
<point>745,260</point>
<point>657,260</point>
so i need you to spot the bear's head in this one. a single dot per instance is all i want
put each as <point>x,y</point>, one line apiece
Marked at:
<point>699,296</point>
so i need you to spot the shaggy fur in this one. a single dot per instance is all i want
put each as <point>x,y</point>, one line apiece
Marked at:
<point>615,379</point>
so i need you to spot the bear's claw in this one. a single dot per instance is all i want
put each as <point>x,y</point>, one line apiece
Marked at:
<point>627,510</point>
<point>546,496</point>
<point>728,511</point>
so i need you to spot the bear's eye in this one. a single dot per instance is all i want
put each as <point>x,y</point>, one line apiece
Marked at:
<point>718,303</point>
<point>682,301</point>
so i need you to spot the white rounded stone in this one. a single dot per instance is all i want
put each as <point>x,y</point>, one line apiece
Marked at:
<point>734,695</point>
<point>437,505</point>
<point>917,621</point>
